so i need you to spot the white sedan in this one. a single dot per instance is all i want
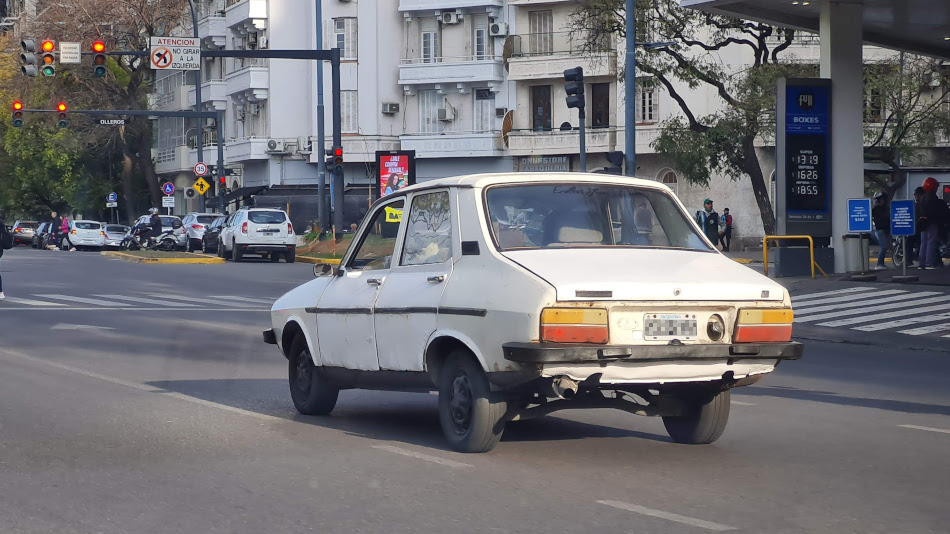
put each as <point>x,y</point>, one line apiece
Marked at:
<point>517,295</point>
<point>85,234</point>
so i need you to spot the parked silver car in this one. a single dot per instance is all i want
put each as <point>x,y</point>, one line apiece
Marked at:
<point>195,225</point>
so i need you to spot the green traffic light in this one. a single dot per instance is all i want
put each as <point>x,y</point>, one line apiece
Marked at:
<point>17,122</point>
<point>63,124</point>
<point>48,70</point>
<point>99,71</point>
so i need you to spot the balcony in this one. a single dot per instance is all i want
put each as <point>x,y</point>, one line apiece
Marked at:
<point>250,83</point>
<point>175,99</point>
<point>434,5</point>
<point>530,142</point>
<point>213,31</point>
<point>250,148</point>
<point>174,159</point>
<point>362,148</point>
<point>246,15</point>
<point>458,71</point>
<point>538,56</point>
<point>455,145</point>
<point>214,95</point>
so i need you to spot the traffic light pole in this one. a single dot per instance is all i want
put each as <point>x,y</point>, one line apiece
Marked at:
<point>323,219</point>
<point>630,92</point>
<point>582,116</point>
<point>200,143</point>
<point>337,141</point>
<point>219,125</point>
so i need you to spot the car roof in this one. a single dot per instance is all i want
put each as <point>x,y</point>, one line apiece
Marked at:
<point>484,180</point>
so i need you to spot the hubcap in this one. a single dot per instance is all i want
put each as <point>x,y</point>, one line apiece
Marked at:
<point>460,404</point>
<point>304,372</point>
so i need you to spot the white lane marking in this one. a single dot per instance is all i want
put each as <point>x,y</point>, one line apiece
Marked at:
<point>420,456</point>
<point>740,403</point>
<point>245,299</point>
<point>83,300</point>
<point>871,306</point>
<point>28,302</point>
<point>153,302</point>
<point>927,428</point>
<point>880,316</point>
<point>669,516</point>
<point>876,302</point>
<point>904,322</point>
<point>851,298</point>
<point>66,326</point>
<point>926,330</point>
<point>192,299</point>
<point>829,293</point>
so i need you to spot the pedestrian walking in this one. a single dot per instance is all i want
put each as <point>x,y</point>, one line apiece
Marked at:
<point>708,221</point>
<point>6,243</point>
<point>54,228</point>
<point>881,215</point>
<point>934,213</point>
<point>725,230</point>
<point>913,242</point>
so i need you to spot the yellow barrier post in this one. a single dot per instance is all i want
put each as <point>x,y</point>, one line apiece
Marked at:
<point>811,251</point>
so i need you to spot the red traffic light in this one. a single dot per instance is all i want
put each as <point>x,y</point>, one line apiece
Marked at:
<point>338,152</point>
<point>48,46</point>
<point>61,106</point>
<point>223,180</point>
<point>98,46</point>
<point>17,105</point>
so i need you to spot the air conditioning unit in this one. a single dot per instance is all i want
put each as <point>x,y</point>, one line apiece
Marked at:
<point>276,146</point>
<point>254,109</point>
<point>240,112</point>
<point>498,29</point>
<point>390,108</point>
<point>500,112</point>
<point>251,40</point>
<point>304,145</point>
<point>451,17</point>
<point>446,114</point>
<point>263,42</point>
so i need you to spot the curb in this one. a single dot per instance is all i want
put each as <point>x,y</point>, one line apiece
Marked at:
<point>137,259</point>
<point>306,259</point>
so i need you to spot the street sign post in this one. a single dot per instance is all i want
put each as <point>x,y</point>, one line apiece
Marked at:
<point>168,188</point>
<point>201,169</point>
<point>112,204</point>
<point>168,202</point>
<point>112,201</point>
<point>201,186</point>
<point>903,224</point>
<point>859,215</point>
<point>112,197</point>
<point>178,53</point>
<point>70,53</point>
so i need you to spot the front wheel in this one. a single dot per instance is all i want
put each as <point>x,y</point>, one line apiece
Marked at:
<point>311,392</point>
<point>167,245</point>
<point>704,421</point>
<point>471,420</point>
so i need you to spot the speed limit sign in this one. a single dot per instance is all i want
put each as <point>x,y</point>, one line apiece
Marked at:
<point>201,169</point>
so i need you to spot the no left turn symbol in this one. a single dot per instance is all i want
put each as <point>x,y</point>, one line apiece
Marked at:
<point>161,57</point>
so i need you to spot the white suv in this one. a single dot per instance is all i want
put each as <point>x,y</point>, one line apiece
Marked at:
<point>264,231</point>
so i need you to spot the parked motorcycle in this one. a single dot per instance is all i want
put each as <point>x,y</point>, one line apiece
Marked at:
<point>913,248</point>
<point>136,239</point>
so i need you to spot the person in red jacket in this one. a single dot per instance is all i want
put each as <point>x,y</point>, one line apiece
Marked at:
<point>934,214</point>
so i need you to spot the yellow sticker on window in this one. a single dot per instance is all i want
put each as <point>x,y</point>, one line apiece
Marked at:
<point>393,215</point>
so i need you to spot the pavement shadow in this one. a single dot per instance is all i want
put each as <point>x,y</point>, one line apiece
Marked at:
<point>410,418</point>
<point>830,397</point>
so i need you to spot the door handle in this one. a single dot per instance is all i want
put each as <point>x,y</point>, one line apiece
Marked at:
<point>374,282</point>
<point>436,279</point>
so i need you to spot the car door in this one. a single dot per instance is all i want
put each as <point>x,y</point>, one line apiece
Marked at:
<point>345,312</point>
<point>225,236</point>
<point>406,310</point>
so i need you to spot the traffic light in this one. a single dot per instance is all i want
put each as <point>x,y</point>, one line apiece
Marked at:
<point>28,57</point>
<point>574,87</point>
<point>99,59</point>
<point>48,58</point>
<point>946,194</point>
<point>615,158</point>
<point>17,113</point>
<point>61,108</point>
<point>335,160</point>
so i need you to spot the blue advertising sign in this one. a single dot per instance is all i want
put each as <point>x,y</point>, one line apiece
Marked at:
<point>859,215</point>
<point>112,197</point>
<point>903,222</point>
<point>807,132</point>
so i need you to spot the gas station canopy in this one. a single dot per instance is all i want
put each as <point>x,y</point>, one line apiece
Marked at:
<point>919,26</point>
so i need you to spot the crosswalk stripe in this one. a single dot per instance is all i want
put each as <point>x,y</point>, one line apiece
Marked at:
<point>83,300</point>
<point>895,298</point>
<point>932,329</point>
<point>903,322</point>
<point>29,302</point>
<point>192,299</point>
<point>830,293</point>
<point>153,302</point>
<point>245,299</point>
<point>891,315</point>
<point>872,306</point>
<point>849,298</point>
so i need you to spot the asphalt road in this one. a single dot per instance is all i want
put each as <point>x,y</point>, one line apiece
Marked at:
<point>159,417</point>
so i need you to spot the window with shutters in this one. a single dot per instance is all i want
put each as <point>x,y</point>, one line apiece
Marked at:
<point>430,41</point>
<point>541,25</point>
<point>481,42</point>
<point>484,110</point>
<point>345,38</point>
<point>668,178</point>
<point>648,105</point>
<point>349,118</point>
<point>429,104</point>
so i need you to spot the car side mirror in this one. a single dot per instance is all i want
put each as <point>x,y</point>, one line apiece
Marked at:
<point>326,269</point>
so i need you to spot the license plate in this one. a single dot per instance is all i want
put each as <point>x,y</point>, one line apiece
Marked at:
<point>665,326</point>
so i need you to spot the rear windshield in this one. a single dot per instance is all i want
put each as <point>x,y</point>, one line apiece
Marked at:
<point>116,229</point>
<point>588,215</point>
<point>207,219</point>
<point>87,225</point>
<point>26,225</point>
<point>266,217</point>
<point>168,221</point>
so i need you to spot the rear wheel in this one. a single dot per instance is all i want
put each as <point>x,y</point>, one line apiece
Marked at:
<point>311,392</point>
<point>705,419</point>
<point>190,245</point>
<point>221,250</point>
<point>236,254</point>
<point>291,256</point>
<point>274,257</point>
<point>471,420</point>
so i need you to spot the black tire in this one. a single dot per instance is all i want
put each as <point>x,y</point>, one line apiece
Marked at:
<point>236,254</point>
<point>291,256</point>
<point>705,421</point>
<point>190,245</point>
<point>221,250</point>
<point>311,392</point>
<point>204,247</point>
<point>167,245</point>
<point>274,257</point>
<point>471,420</point>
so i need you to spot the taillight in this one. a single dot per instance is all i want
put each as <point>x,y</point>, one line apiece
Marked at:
<point>756,326</point>
<point>290,228</point>
<point>73,232</point>
<point>197,226</point>
<point>103,234</point>
<point>244,228</point>
<point>16,230</point>
<point>574,325</point>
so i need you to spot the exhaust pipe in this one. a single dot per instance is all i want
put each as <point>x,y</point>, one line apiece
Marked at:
<point>563,387</point>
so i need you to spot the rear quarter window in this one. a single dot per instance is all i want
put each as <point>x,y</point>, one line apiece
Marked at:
<point>266,217</point>
<point>88,226</point>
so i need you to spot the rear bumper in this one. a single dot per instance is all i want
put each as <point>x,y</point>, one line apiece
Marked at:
<point>269,247</point>
<point>564,353</point>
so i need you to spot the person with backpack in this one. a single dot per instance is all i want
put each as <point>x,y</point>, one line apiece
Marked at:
<point>725,230</point>
<point>708,221</point>
<point>6,243</point>
<point>934,213</point>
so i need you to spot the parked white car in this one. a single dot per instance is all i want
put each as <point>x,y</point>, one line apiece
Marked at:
<point>84,234</point>
<point>263,231</point>
<point>114,234</point>
<point>195,224</point>
<point>517,295</point>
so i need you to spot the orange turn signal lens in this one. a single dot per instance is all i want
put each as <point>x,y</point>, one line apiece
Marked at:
<point>763,326</point>
<point>574,325</point>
